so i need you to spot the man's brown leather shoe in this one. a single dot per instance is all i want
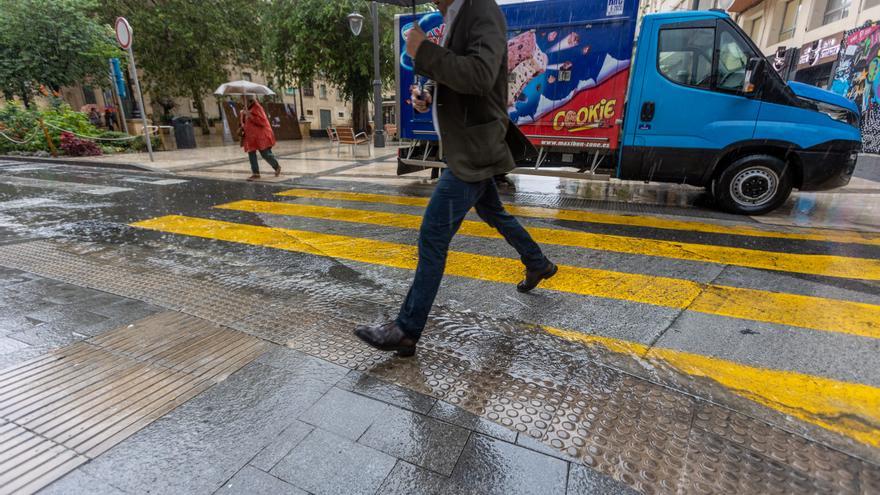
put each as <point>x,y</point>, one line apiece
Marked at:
<point>534,278</point>
<point>387,337</point>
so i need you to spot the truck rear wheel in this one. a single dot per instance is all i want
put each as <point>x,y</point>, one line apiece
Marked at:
<point>753,185</point>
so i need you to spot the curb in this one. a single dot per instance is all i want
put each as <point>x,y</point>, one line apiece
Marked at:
<point>82,163</point>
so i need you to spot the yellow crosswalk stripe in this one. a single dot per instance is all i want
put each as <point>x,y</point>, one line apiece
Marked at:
<point>816,313</point>
<point>851,409</point>
<point>654,222</point>
<point>813,264</point>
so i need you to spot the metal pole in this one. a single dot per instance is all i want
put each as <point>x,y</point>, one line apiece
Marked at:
<point>120,114</point>
<point>378,128</point>
<point>302,106</point>
<point>140,96</point>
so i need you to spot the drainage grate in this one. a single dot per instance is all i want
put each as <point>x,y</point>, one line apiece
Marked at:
<point>71,405</point>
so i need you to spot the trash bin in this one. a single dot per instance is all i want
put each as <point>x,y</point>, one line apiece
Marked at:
<point>184,135</point>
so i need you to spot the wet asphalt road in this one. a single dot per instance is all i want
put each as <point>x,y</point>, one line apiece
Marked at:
<point>658,286</point>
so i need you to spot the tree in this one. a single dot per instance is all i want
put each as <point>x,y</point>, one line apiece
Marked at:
<point>184,47</point>
<point>53,43</point>
<point>307,39</point>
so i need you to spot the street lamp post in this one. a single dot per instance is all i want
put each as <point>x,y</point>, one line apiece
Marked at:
<point>356,22</point>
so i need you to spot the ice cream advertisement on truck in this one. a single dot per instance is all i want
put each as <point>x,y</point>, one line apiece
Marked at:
<point>567,82</point>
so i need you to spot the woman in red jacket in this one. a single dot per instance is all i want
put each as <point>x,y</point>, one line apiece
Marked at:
<point>257,135</point>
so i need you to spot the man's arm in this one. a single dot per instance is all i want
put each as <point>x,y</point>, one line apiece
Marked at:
<point>475,71</point>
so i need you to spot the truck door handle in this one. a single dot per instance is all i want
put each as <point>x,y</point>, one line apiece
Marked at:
<point>647,111</point>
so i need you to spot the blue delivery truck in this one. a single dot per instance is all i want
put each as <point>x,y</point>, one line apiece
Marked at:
<point>693,101</point>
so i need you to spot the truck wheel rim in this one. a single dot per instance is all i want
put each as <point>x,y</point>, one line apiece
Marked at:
<point>755,186</point>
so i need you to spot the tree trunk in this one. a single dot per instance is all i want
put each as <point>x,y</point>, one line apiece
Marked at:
<point>25,96</point>
<point>360,114</point>
<point>200,107</point>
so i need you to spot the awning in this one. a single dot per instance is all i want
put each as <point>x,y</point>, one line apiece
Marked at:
<point>739,6</point>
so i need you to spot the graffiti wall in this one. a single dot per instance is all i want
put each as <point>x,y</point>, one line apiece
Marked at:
<point>856,78</point>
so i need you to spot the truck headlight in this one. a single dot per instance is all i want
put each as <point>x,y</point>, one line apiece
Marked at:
<point>837,113</point>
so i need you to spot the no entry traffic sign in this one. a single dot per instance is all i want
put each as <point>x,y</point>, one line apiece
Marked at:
<point>123,33</point>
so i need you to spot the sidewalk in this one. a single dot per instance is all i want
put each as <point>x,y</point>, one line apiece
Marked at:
<point>284,422</point>
<point>291,402</point>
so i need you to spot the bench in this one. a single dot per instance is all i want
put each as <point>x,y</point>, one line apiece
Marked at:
<point>346,135</point>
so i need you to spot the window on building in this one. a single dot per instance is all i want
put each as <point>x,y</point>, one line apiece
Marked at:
<point>836,10</point>
<point>755,26</point>
<point>323,92</point>
<point>308,89</point>
<point>247,76</point>
<point>685,55</point>
<point>310,112</point>
<point>789,19</point>
<point>341,114</point>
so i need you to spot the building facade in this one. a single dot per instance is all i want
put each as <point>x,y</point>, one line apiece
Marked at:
<point>321,104</point>
<point>803,37</point>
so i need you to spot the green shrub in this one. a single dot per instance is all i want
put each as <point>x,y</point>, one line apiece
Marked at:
<point>24,124</point>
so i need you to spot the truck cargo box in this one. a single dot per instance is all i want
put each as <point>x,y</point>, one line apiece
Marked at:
<point>568,70</point>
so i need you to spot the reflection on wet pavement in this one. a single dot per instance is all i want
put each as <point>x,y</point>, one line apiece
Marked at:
<point>674,353</point>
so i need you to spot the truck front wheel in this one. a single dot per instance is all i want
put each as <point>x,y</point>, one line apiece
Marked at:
<point>753,185</point>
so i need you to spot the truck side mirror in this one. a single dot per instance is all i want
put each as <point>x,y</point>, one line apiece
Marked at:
<point>754,77</point>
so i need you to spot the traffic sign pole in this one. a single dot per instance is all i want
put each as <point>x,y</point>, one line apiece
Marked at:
<point>124,37</point>
<point>137,88</point>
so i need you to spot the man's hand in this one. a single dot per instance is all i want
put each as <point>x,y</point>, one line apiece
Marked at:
<point>414,40</point>
<point>421,100</point>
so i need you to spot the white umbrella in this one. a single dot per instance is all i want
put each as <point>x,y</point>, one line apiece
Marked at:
<point>242,88</point>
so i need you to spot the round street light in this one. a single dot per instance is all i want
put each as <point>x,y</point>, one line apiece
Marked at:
<point>356,23</point>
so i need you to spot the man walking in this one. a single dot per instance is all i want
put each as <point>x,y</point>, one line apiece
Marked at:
<point>469,67</point>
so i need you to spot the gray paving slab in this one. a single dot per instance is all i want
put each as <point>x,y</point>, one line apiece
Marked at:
<point>252,481</point>
<point>418,439</point>
<point>487,466</point>
<point>365,384</point>
<point>300,364</point>
<point>201,444</point>
<point>835,355</point>
<point>281,446</point>
<point>345,413</point>
<point>453,414</point>
<point>78,482</point>
<point>584,481</point>
<point>324,463</point>
<point>503,468</point>
<point>407,479</point>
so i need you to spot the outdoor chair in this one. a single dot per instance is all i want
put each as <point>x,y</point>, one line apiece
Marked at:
<point>391,132</point>
<point>334,139</point>
<point>346,135</point>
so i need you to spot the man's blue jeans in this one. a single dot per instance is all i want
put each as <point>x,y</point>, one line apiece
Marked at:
<point>451,201</point>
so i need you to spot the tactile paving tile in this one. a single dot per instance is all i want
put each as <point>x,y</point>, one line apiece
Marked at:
<point>576,399</point>
<point>869,479</point>
<point>66,407</point>
<point>715,465</point>
<point>830,466</point>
